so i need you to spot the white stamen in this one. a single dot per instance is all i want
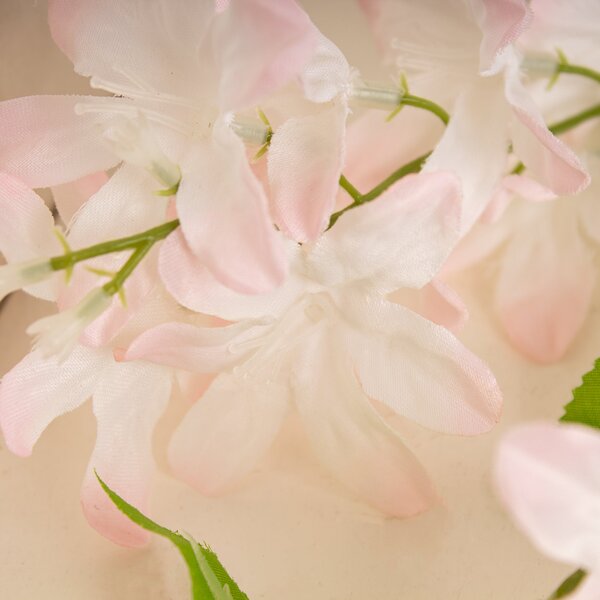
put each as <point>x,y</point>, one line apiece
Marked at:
<point>57,335</point>
<point>16,276</point>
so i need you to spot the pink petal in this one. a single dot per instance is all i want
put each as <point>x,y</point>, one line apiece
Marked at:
<point>502,22</point>
<point>442,305</point>
<point>26,224</point>
<point>589,589</point>
<point>588,200</point>
<point>260,46</point>
<point>305,162</point>
<point>544,290</point>
<point>399,240</point>
<point>224,217</point>
<point>70,197</point>
<point>132,47</point>
<point>421,371</point>
<point>544,155</point>
<point>191,284</point>
<point>38,390</point>
<point>127,404</point>
<point>350,437</point>
<point>44,143</point>
<point>227,430</point>
<point>547,475</point>
<point>196,349</point>
<point>527,188</point>
<point>474,146</point>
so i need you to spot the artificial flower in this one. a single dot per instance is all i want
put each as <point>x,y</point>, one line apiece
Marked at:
<point>332,341</point>
<point>547,475</point>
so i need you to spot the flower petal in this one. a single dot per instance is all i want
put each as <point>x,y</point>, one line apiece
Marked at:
<point>348,435</point>
<point>227,430</point>
<point>501,22</point>
<point>38,390</point>
<point>545,156</point>
<point>224,217</point>
<point>196,349</point>
<point>399,240</point>
<point>260,46</point>
<point>547,474</point>
<point>474,146</point>
<point>129,46</point>
<point>127,404</point>
<point>545,285</point>
<point>420,370</point>
<point>191,284</point>
<point>70,197</point>
<point>44,143</point>
<point>305,162</point>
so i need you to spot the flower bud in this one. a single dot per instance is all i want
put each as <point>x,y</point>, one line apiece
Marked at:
<point>19,275</point>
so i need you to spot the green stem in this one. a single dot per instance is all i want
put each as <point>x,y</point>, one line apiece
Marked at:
<point>566,125</point>
<point>132,242</point>
<point>578,70</point>
<point>116,283</point>
<point>413,166</point>
<point>432,107</point>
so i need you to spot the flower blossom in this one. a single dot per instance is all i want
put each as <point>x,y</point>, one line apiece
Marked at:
<point>547,475</point>
<point>465,54</point>
<point>331,340</point>
<point>178,73</point>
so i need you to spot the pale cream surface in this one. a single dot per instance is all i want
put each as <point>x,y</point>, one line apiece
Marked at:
<point>289,531</point>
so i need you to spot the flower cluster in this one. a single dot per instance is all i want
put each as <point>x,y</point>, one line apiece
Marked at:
<point>245,217</point>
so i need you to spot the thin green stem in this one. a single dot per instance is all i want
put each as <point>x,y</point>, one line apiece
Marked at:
<point>565,125</point>
<point>352,191</point>
<point>116,283</point>
<point>413,166</point>
<point>578,70</point>
<point>425,104</point>
<point>132,242</point>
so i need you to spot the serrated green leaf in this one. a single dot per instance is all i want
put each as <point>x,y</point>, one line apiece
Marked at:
<point>585,406</point>
<point>569,585</point>
<point>193,553</point>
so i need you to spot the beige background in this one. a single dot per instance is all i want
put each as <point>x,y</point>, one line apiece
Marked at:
<point>289,532</point>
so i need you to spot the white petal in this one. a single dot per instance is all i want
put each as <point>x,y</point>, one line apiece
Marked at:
<point>305,161</point>
<point>348,435</point>
<point>548,477</point>
<point>474,145</point>
<point>401,239</point>
<point>227,430</point>
<point>420,370</point>
<point>127,404</point>
<point>38,390</point>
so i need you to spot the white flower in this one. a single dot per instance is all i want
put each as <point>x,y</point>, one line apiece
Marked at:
<point>16,276</point>
<point>57,335</point>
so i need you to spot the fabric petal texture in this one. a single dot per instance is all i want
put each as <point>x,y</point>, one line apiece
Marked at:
<point>548,478</point>
<point>390,345</point>
<point>127,404</point>
<point>399,240</point>
<point>38,390</point>
<point>44,142</point>
<point>70,197</point>
<point>227,431</point>
<point>348,435</point>
<point>305,162</point>
<point>224,216</point>
<point>260,46</point>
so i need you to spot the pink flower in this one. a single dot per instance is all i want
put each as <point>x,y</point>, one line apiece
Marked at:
<point>547,475</point>
<point>330,341</point>
<point>178,71</point>
<point>465,56</point>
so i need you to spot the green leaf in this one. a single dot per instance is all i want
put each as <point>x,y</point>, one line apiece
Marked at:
<point>203,564</point>
<point>585,406</point>
<point>569,585</point>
